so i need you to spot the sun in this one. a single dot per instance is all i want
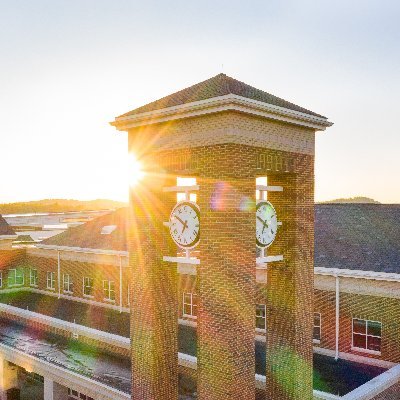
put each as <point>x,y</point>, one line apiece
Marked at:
<point>135,170</point>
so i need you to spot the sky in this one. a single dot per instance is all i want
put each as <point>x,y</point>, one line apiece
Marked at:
<point>67,68</point>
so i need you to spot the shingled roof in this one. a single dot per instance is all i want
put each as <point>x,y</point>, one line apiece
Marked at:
<point>5,229</point>
<point>358,236</point>
<point>348,236</point>
<point>90,236</point>
<point>219,85</point>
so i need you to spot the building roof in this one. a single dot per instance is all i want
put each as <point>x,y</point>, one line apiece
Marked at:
<point>94,234</point>
<point>358,236</point>
<point>24,238</point>
<point>347,236</point>
<point>5,229</point>
<point>219,85</point>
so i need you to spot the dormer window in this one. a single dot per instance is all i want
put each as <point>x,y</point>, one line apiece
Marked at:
<point>106,230</point>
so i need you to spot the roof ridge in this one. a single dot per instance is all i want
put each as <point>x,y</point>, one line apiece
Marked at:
<point>217,86</point>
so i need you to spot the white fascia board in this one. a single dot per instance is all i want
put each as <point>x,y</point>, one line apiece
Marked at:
<point>8,237</point>
<point>83,250</point>
<point>318,395</point>
<point>230,102</point>
<point>356,273</point>
<point>375,386</point>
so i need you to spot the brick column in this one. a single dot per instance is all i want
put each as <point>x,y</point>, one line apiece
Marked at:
<point>226,275</point>
<point>290,287</point>
<point>153,291</point>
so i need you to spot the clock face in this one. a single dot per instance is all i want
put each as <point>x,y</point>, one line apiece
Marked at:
<point>184,224</point>
<point>266,223</point>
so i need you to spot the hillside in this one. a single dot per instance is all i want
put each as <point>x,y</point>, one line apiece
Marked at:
<point>358,200</point>
<point>59,205</point>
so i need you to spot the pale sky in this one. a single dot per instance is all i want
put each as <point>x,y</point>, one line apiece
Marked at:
<point>69,67</point>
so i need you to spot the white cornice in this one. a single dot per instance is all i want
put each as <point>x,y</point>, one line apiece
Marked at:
<point>356,273</point>
<point>229,102</point>
<point>83,250</point>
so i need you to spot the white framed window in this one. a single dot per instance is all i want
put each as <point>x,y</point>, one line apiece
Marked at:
<point>190,305</point>
<point>367,335</point>
<point>67,283</point>
<point>50,280</point>
<point>109,290</point>
<point>317,328</point>
<point>261,317</point>
<point>33,277</point>
<point>16,277</point>
<point>88,286</point>
<point>1,279</point>
<point>186,181</point>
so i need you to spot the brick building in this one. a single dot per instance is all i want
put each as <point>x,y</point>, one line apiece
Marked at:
<point>224,135</point>
<point>232,301</point>
<point>368,291</point>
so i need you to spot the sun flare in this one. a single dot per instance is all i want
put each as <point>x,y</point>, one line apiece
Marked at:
<point>135,170</point>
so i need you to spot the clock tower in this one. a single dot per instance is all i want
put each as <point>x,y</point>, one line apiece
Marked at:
<point>243,225</point>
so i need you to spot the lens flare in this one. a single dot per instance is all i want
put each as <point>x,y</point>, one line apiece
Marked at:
<point>135,170</point>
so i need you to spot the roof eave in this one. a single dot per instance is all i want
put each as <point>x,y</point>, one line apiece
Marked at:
<point>82,250</point>
<point>8,237</point>
<point>229,102</point>
<point>356,273</point>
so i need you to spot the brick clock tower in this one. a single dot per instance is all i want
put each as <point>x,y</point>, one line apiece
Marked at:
<point>204,151</point>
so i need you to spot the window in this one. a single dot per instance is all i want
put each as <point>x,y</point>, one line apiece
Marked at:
<point>50,280</point>
<point>74,394</point>
<point>16,277</point>
<point>181,196</point>
<point>317,327</point>
<point>1,279</point>
<point>261,316</point>
<point>109,290</point>
<point>367,335</point>
<point>33,277</point>
<point>189,305</point>
<point>263,181</point>
<point>67,283</point>
<point>88,286</point>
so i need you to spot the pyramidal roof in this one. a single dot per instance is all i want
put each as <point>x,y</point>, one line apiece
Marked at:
<point>5,229</point>
<point>219,85</point>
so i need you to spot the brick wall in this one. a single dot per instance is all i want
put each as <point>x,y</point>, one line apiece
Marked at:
<point>375,308</point>
<point>392,393</point>
<point>11,258</point>
<point>78,270</point>
<point>154,333</point>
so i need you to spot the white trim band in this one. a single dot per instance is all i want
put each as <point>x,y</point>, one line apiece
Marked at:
<point>83,250</point>
<point>356,273</point>
<point>229,102</point>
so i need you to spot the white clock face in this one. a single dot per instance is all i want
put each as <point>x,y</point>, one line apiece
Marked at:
<point>266,224</point>
<point>184,224</point>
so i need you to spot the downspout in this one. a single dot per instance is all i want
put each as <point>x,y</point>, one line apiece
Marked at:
<point>337,317</point>
<point>58,273</point>
<point>120,284</point>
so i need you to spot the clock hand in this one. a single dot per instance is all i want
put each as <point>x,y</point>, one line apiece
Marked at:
<point>184,226</point>
<point>264,223</point>
<point>184,223</point>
